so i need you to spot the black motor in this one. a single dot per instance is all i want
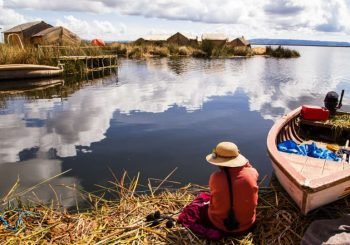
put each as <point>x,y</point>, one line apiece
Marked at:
<point>331,101</point>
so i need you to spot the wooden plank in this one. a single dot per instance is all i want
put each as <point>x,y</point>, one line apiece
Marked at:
<point>345,155</point>
<point>325,124</point>
<point>346,165</point>
<point>313,168</point>
<point>297,161</point>
<point>86,57</point>
<point>332,167</point>
<point>315,162</point>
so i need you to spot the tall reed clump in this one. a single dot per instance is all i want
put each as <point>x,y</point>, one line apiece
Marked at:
<point>135,52</point>
<point>242,51</point>
<point>15,55</point>
<point>207,47</point>
<point>185,51</point>
<point>220,51</point>
<point>120,49</point>
<point>173,49</point>
<point>160,51</point>
<point>281,52</point>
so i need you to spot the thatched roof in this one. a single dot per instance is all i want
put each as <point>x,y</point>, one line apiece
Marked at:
<point>189,36</point>
<point>242,40</point>
<point>22,27</point>
<point>56,34</point>
<point>156,37</point>
<point>214,36</point>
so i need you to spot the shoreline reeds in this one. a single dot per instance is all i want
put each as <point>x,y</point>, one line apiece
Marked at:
<point>281,52</point>
<point>122,220</point>
<point>47,55</point>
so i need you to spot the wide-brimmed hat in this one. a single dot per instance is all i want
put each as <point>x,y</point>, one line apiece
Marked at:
<point>226,154</point>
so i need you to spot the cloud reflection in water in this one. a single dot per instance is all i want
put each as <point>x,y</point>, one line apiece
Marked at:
<point>271,86</point>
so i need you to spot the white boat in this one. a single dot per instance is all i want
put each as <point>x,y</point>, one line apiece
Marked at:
<point>311,182</point>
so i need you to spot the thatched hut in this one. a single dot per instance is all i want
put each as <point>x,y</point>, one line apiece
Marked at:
<point>182,39</point>
<point>240,42</point>
<point>215,39</point>
<point>23,33</point>
<point>56,36</point>
<point>152,39</point>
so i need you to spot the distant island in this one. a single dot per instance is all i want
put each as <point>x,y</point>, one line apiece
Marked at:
<point>267,41</point>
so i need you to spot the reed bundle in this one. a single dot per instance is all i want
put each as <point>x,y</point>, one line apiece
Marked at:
<point>340,120</point>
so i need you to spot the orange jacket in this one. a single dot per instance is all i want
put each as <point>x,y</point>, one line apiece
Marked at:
<point>245,197</point>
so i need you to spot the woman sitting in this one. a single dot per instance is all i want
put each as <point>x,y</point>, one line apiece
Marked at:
<point>230,207</point>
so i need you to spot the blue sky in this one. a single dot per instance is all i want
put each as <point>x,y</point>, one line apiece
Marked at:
<point>128,20</point>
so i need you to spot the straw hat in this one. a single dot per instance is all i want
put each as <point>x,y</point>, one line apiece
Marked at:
<point>226,154</point>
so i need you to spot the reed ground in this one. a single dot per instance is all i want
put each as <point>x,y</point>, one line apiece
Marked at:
<point>122,220</point>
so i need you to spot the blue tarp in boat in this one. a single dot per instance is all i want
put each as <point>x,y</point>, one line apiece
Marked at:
<point>310,150</point>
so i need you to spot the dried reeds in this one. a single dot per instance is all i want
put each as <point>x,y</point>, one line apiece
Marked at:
<point>122,221</point>
<point>340,120</point>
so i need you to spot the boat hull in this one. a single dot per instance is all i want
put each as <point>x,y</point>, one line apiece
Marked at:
<point>305,198</point>
<point>19,71</point>
<point>309,191</point>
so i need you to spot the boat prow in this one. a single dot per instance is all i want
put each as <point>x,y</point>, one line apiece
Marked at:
<point>28,71</point>
<point>311,182</point>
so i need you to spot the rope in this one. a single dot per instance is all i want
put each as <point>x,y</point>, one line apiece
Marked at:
<point>19,220</point>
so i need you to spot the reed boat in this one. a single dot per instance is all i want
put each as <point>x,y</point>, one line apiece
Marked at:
<point>311,182</point>
<point>28,71</point>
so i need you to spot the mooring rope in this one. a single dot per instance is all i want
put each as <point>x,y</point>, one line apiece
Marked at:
<point>19,220</point>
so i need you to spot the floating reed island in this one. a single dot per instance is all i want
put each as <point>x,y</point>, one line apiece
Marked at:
<point>43,44</point>
<point>200,50</point>
<point>123,220</point>
<point>87,57</point>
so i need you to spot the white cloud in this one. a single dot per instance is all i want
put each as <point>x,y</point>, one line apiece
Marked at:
<point>61,5</point>
<point>9,17</point>
<point>91,29</point>
<point>323,16</point>
<point>337,19</point>
<point>312,19</point>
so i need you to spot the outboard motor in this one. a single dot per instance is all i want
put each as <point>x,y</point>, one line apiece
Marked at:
<point>331,101</point>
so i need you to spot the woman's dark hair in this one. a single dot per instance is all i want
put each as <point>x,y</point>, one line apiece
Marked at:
<point>230,222</point>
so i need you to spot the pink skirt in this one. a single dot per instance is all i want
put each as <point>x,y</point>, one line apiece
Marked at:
<point>195,217</point>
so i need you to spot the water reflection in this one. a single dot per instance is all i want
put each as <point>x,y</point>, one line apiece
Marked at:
<point>274,86</point>
<point>21,86</point>
<point>33,171</point>
<point>178,65</point>
<point>165,113</point>
<point>56,123</point>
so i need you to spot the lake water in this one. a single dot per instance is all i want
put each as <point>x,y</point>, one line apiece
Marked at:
<point>157,115</point>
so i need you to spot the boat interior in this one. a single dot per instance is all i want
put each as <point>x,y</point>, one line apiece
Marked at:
<point>306,132</point>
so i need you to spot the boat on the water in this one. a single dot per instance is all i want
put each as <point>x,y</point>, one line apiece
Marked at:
<point>28,71</point>
<point>311,182</point>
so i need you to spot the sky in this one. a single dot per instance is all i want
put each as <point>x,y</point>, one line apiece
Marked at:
<point>113,20</point>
